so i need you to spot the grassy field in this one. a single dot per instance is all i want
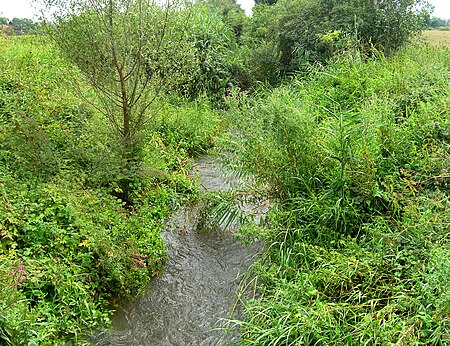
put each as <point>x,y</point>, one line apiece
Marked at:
<point>438,37</point>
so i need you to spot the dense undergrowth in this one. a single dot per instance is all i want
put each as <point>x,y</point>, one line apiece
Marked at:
<point>356,159</point>
<point>68,247</point>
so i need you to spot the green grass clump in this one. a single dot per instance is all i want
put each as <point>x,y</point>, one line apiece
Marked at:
<point>357,156</point>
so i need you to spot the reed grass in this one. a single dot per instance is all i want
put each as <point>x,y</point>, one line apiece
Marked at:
<point>357,156</point>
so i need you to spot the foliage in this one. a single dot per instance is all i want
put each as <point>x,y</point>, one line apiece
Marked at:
<point>295,34</point>
<point>190,128</point>
<point>218,52</point>
<point>313,30</point>
<point>127,51</point>
<point>260,48</point>
<point>357,156</point>
<point>68,247</point>
<point>232,14</point>
<point>209,62</point>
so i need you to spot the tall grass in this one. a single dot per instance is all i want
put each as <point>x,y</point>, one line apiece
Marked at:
<point>357,156</point>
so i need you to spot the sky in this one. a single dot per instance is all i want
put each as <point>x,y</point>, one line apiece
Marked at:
<point>23,9</point>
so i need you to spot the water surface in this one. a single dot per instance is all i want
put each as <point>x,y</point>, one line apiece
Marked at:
<point>185,305</point>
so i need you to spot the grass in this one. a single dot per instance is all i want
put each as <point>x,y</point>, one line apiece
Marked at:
<point>356,155</point>
<point>437,37</point>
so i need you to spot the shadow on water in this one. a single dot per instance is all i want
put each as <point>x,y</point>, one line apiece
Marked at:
<point>184,306</point>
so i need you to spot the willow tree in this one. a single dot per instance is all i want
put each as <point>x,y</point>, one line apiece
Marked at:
<point>127,50</point>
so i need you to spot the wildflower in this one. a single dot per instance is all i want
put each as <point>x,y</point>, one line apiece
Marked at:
<point>139,264</point>
<point>16,274</point>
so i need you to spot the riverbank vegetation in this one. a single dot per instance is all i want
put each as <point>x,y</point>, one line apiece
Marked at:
<point>356,156</point>
<point>345,129</point>
<point>69,246</point>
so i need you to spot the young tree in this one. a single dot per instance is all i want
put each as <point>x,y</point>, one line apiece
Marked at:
<point>127,50</point>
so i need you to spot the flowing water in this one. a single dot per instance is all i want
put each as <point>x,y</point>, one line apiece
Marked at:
<point>185,305</point>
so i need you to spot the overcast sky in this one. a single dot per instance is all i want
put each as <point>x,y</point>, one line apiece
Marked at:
<point>23,9</point>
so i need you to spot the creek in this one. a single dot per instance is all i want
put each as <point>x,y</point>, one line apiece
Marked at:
<point>186,305</point>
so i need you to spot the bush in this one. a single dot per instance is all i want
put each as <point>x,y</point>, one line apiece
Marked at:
<point>313,31</point>
<point>211,57</point>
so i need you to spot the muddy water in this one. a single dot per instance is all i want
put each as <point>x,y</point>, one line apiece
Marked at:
<point>185,305</point>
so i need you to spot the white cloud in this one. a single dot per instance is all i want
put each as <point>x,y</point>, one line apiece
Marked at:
<point>441,8</point>
<point>17,8</point>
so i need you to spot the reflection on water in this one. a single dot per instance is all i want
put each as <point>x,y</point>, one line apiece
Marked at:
<point>185,304</point>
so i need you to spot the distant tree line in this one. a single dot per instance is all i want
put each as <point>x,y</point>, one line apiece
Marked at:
<point>436,22</point>
<point>16,26</point>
